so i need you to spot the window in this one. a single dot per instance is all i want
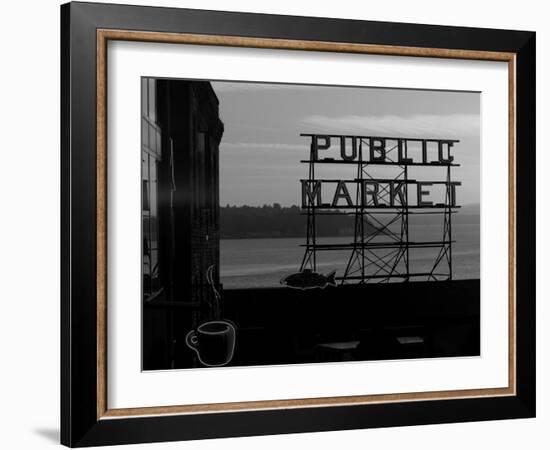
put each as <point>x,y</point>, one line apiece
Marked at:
<point>150,158</point>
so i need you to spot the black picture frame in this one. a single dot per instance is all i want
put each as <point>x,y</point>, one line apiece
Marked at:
<point>81,425</point>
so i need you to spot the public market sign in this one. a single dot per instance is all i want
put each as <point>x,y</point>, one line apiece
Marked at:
<point>368,192</point>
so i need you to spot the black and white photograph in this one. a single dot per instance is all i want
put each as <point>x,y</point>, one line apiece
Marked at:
<point>307,224</point>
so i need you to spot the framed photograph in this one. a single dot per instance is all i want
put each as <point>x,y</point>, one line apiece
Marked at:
<point>276,224</point>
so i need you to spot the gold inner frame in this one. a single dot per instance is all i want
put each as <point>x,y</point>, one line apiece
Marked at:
<point>104,35</point>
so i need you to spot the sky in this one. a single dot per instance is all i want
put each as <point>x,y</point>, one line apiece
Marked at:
<point>261,148</point>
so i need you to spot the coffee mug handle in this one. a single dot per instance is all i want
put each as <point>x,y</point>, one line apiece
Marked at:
<point>191,340</point>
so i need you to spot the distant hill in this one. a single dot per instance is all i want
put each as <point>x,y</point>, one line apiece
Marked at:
<point>274,221</point>
<point>467,214</point>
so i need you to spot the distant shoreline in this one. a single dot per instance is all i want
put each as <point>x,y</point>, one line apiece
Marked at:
<point>280,222</point>
<point>302,236</point>
<point>235,238</point>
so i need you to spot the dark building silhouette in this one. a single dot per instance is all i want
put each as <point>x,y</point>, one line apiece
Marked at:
<point>181,132</point>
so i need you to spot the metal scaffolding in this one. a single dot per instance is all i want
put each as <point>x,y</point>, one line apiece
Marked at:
<point>381,248</point>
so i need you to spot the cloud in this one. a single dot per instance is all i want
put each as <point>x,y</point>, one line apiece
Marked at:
<point>418,125</point>
<point>246,86</point>
<point>247,146</point>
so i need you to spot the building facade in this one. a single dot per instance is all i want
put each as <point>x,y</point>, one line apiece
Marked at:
<point>181,132</point>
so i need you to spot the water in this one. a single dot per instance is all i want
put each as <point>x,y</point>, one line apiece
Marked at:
<point>247,263</point>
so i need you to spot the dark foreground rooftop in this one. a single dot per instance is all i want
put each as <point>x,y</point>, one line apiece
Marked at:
<point>350,322</point>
